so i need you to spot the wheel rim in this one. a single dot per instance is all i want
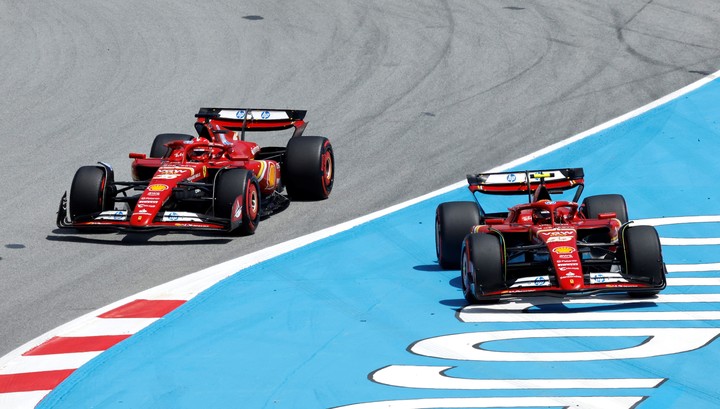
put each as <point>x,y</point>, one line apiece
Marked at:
<point>438,243</point>
<point>327,169</point>
<point>252,202</point>
<point>467,285</point>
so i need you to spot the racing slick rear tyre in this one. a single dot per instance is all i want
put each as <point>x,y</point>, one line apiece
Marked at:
<point>309,168</point>
<point>453,221</point>
<point>159,150</point>
<point>232,184</point>
<point>91,192</point>
<point>482,267</point>
<point>594,205</point>
<point>643,258</point>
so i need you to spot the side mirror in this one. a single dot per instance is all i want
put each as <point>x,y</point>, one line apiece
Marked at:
<point>608,215</point>
<point>137,156</point>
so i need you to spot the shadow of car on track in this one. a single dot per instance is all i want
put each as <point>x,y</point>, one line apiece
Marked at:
<point>133,239</point>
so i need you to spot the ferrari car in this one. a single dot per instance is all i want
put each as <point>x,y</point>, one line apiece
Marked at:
<point>546,246</point>
<point>216,181</point>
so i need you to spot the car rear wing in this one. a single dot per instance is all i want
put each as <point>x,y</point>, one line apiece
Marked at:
<point>250,119</point>
<point>528,181</point>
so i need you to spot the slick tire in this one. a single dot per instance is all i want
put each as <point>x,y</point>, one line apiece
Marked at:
<point>159,150</point>
<point>594,205</point>
<point>308,171</point>
<point>643,257</point>
<point>453,221</point>
<point>90,192</point>
<point>240,184</point>
<point>482,267</point>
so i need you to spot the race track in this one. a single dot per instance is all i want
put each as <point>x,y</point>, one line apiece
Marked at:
<point>413,95</point>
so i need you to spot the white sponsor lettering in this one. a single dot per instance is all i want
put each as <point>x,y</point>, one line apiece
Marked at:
<point>659,341</point>
<point>575,402</point>
<point>436,377</point>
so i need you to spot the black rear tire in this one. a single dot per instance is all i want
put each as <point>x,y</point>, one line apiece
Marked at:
<point>159,150</point>
<point>90,192</point>
<point>482,267</point>
<point>453,221</point>
<point>643,257</point>
<point>594,205</point>
<point>308,172</point>
<point>233,184</point>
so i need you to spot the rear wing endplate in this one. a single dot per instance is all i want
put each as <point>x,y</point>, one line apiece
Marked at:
<point>527,181</point>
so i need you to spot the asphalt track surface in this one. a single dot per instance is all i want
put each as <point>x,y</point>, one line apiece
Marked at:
<point>413,95</point>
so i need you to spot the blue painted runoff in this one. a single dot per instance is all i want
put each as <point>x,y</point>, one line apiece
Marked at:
<point>306,329</point>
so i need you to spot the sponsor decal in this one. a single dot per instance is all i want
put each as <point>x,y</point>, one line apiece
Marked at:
<point>563,250</point>
<point>238,212</point>
<point>204,172</point>
<point>167,176</point>
<point>142,211</point>
<point>119,215</point>
<point>265,114</point>
<point>172,216</point>
<point>511,178</point>
<point>599,278</point>
<point>157,188</point>
<point>565,256</point>
<point>539,281</point>
<point>558,239</point>
<point>240,114</point>
<point>152,193</point>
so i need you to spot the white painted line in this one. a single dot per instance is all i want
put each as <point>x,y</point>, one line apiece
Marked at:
<point>693,281</point>
<point>685,268</point>
<point>109,326</point>
<point>469,315</point>
<point>433,377</point>
<point>575,402</point>
<point>21,400</point>
<point>664,221</point>
<point>39,363</point>
<point>522,304</point>
<point>689,241</point>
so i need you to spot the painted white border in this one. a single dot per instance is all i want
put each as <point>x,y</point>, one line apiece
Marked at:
<point>189,286</point>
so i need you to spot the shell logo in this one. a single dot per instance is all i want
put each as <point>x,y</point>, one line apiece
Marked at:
<point>157,188</point>
<point>563,250</point>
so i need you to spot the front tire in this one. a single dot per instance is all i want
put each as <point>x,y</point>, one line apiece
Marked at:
<point>91,192</point>
<point>482,267</point>
<point>453,221</point>
<point>594,205</point>
<point>643,258</point>
<point>308,171</point>
<point>238,185</point>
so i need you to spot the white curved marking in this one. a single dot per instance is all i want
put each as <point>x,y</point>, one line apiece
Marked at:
<point>683,268</point>
<point>575,402</point>
<point>660,341</point>
<point>663,221</point>
<point>503,316</point>
<point>433,377</point>
<point>709,281</point>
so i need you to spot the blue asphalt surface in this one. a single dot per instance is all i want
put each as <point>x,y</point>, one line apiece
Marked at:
<point>305,329</point>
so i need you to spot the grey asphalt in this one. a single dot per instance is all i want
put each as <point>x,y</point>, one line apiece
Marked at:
<point>412,94</point>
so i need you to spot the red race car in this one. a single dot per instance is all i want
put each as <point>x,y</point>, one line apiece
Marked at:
<point>546,246</point>
<point>216,180</point>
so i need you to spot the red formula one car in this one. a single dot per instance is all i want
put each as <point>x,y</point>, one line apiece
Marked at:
<point>546,246</point>
<point>216,180</point>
